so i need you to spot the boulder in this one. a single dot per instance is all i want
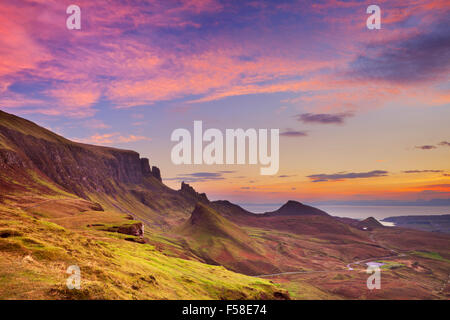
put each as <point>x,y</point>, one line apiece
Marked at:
<point>135,229</point>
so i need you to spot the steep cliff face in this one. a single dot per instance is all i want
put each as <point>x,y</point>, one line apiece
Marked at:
<point>156,173</point>
<point>76,167</point>
<point>189,192</point>
<point>145,167</point>
<point>36,162</point>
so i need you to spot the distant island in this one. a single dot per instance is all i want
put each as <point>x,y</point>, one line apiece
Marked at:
<point>433,223</point>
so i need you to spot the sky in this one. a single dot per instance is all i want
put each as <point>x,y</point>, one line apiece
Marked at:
<point>363,114</point>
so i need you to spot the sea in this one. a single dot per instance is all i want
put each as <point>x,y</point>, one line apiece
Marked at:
<point>361,212</point>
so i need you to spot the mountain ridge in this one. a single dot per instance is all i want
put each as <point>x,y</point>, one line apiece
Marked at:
<point>295,208</point>
<point>51,192</point>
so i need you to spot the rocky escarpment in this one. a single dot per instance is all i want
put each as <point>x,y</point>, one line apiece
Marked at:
<point>156,173</point>
<point>189,192</point>
<point>148,171</point>
<point>10,158</point>
<point>77,167</point>
<point>135,229</point>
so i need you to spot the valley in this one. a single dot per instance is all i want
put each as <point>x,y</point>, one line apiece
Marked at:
<point>108,211</point>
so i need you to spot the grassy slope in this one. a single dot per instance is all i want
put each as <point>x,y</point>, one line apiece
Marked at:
<point>217,240</point>
<point>27,127</point>
<point>34,254</point>
<point>43,230</point>
<point>415,275</point>
<point>166,207</point>
<point>274,244</point>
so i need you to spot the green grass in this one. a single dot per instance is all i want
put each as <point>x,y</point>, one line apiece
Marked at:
<point>34,255</point>
<point>300,290</point>
<point>56,189</point>
<point>429,255</point>
<point>390,264</point>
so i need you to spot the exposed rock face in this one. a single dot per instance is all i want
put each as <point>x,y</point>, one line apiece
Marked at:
<point>148,171</point>
<point>136,229</point>
<point>190,192</point>
<point>156,173</point>
<point>79,168</point>
<point>9,158</point>
<point>145,167</point>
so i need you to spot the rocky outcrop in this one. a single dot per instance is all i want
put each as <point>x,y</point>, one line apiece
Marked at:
<point>9,158</point>
<point>148,171</point>
<point>132,229</point>
<point>135,229</point>
<point>145,167</point>
<point>156,173</point>
<point>188,191</point>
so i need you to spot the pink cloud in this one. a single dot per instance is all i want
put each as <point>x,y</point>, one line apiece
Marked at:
<point>137,72</point>
<point>95,124</point>
<point>75,97</point>
<point>111,138</point>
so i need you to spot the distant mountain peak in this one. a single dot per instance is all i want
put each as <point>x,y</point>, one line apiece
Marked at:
<point>368,224</point>
<point>295,208</point>
<point>293,202</point>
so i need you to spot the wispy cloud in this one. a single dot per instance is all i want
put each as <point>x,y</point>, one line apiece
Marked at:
<point>426,147</point>
<point>95,124</point>
<point>286,175</point>
<point>422,171</point>
<point>430,146</point>
<point>111,138</point>
<point>347,175</point>
<point>324,118</point>
<point>201,176</point>
<point>293,133</point>
<point>137,55</point>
